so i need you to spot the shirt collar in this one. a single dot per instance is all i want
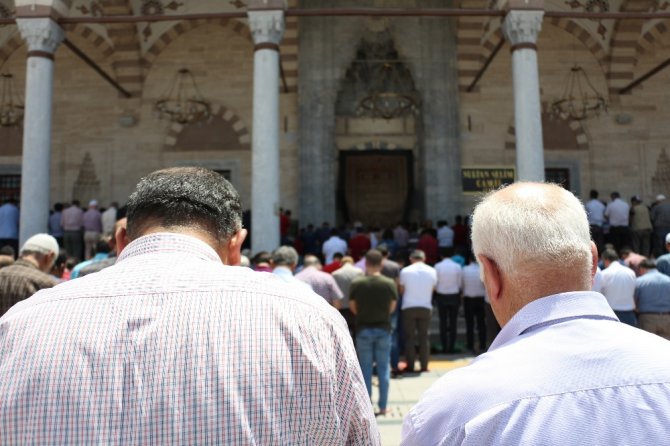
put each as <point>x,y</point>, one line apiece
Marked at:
<point>553,309</point>
<point>284,271</point>
<point>169,243</point>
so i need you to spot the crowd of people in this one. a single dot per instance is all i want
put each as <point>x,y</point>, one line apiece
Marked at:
<point>181,338</point>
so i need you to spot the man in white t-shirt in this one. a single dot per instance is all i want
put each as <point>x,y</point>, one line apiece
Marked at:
<point>618,287</point>
<point>448,300</point>
<point>617,213</point>
<point>417,282</point>
<point>445,238</point>
<point>474,305</point>
<point>332,246</point>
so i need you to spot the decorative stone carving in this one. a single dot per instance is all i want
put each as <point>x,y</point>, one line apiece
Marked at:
<point>41,34</point>
<point>660,182</point>
<point>377,84</point>
<point>266,26</point>
<point>87,186</point>
<point>522,26</point>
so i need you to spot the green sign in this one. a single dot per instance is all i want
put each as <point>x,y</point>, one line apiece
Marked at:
<point>483,179</point>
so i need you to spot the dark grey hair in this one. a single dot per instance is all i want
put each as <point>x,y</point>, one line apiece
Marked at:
<point>185,197</point>
<point>285,256</point>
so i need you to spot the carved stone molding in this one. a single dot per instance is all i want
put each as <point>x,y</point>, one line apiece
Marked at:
<point>522,27</point>
<point>41,34</point>
<point>266,26</point>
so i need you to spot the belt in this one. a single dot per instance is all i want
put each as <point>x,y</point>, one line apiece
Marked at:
<point>658,314</point>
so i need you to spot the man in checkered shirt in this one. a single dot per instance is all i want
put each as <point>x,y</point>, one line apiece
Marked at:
<point>173,346</point>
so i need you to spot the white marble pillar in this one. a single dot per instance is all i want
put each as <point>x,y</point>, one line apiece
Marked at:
<point>42,36</point>
<point>521,28</point>
<point>267,28</point>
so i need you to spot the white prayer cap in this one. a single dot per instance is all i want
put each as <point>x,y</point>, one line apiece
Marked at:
<point>93,203</point>
<point>42,243</point>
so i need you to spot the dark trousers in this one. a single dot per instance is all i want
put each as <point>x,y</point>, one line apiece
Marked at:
<point>642,241</point>
<point>447,309</point>
<point>416,321</point>
<point>73,242</point>
<point>350,318</point>
<point>598,237</point>
<point>474,309</point>
<point>620,236</point>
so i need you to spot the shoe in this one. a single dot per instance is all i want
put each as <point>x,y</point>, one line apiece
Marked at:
<point>424,370</point>
<point>395,373</point>
<point>383,412</point>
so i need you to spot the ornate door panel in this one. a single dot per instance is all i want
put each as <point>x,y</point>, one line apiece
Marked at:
<point>376,187</point>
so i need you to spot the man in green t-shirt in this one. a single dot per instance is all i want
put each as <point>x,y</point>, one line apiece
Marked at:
<point>372,299</point>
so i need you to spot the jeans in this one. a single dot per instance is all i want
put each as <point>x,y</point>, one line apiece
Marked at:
<point>374,346</point>
<point>395,340</point>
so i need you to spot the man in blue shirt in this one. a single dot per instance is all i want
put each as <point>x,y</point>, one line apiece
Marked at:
<point>563,369</point>
<point>652,300</point>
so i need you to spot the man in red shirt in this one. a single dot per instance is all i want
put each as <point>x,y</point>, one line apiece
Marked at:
<point>359,244</point>
<point>428,244</point>
<point>335,264</point>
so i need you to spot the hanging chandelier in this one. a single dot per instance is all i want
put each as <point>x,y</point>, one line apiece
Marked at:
<point>388,97</point>
<point>11,104</point>
<point>182,102</point>
<point>580,99</point>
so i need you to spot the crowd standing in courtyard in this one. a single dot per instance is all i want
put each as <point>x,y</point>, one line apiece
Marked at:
<point>384,282</point>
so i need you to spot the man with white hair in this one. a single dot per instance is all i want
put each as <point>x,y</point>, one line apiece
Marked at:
<point>29,273</point>
<point>561,353</point>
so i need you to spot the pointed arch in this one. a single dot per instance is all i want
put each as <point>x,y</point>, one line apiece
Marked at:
<point>233,122</point>
<point>185,26</point>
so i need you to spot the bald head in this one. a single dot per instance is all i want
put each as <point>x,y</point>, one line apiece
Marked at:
<point>537,236</point>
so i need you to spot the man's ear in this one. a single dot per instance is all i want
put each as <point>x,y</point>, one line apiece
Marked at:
<point>234,247</point>
<point>492,278</point>
<point>594,260</point>
<point>121,237</point>
<point>49,261</point>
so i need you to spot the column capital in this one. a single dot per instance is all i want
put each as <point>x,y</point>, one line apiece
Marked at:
<point>42,35</point>
<point>267,28</point>
<point>521,27</point>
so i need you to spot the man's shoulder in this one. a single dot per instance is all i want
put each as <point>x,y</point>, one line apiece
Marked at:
<point>572,369</point>
<point>665,258</point>
<point>656,277</point>
<point>220,285</point>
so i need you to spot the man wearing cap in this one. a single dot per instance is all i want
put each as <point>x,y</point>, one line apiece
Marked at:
<point>660,220</point>
<point>92,228</point>
<point>652,299</point>
<point>28,274</point>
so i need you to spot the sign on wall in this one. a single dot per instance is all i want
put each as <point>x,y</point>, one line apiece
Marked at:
<point>476,180</point>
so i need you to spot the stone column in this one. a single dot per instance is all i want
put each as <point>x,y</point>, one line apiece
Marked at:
<point>267,28</point>
<point>521,28</point>
<point>42,36</point>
